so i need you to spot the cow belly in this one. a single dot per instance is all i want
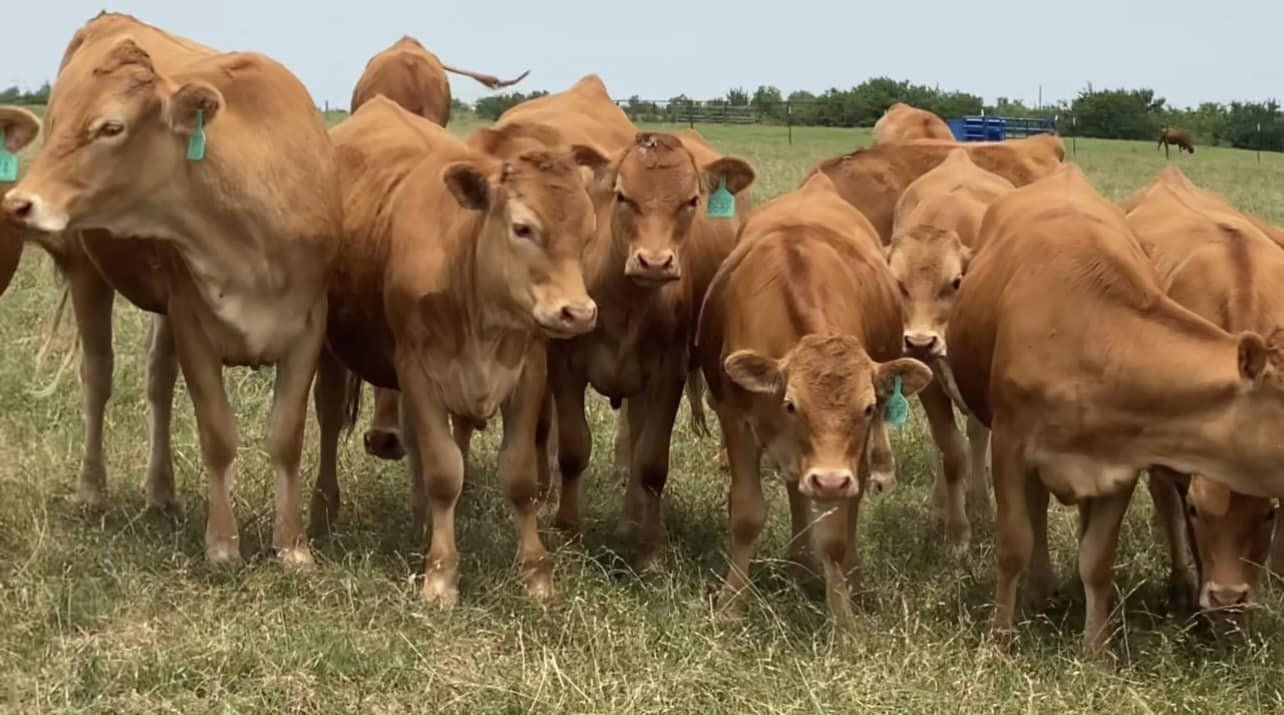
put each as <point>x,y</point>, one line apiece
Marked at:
<point>1073,478</point>
<point>613,373</point>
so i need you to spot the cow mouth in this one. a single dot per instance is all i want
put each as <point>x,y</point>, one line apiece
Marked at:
<point>652,280</point>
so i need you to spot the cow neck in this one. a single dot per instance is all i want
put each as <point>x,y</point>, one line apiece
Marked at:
<point>480,292</point>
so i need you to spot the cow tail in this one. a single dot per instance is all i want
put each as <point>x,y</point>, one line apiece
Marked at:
<point>351,402</point>
<point>695,398</point>
<point>47,342</point>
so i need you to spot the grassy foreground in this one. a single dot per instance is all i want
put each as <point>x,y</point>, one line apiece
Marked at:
<point>118,613</point>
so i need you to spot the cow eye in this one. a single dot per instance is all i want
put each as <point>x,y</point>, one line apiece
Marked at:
<point>111,129</point>
<point>958,281</point>
<point>694,202</point>
<point>903,289</point>
<point>869,409</point>
<point>523,231</point>
<point>1191,511</point>
<point>790,407</point>
<point>625,201</point>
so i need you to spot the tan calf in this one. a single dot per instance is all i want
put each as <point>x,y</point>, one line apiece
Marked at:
<point>937,221</point>
<point>1064,343</point>
<point>1213,260</point>
<point>800,341</point>
<point>236,264</point>
<point>902,123</point>
<point>454,269</point>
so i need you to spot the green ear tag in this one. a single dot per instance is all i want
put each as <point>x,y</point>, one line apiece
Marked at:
<point>722,204</point>
<point>196,142</point>
<point>8,162</point>
<point>896,413</point>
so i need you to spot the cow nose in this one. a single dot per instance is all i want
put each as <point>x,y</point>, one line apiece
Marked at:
<point>830,483</point>
<point>1221,596</point>
<point>928,342</point>
<point>17,208</point>
<point>654,265</point>
<point>579,317</point>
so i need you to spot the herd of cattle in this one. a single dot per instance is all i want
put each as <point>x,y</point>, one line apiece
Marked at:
<point>1082,341</point>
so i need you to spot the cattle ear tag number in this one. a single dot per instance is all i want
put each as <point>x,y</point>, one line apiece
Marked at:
<point>196,142</point>
<point>8,162</point>
<point>896,412</point>
<point>722,204</point>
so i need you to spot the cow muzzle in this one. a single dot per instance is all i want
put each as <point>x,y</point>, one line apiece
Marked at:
<point>653,267</point>
<point>568,319</point>
<point>829,484</point>
<point>1224,598</point>
<point>31,211</point>
<point>926,344</point>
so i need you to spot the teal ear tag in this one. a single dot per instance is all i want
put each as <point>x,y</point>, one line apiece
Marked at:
<point>722,204</point>
<point>896,413</point>
<point>8,162</point>
<point>196,142</point>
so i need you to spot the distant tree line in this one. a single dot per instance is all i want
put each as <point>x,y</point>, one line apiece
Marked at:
<point>14,95</point>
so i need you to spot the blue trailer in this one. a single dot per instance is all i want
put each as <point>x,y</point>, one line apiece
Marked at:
<point>997,129</point>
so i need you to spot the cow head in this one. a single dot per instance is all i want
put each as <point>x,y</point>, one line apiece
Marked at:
<point>114,136</point>
<point>818,404</point>
<point>928,264</point>
<point>538,219</point>
<point>1232,534</point>
<point>658,191</point>
<point>20,128</point>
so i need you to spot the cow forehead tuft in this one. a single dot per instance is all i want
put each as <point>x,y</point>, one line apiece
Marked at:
<point>834,368</point>
<point>658,151</point>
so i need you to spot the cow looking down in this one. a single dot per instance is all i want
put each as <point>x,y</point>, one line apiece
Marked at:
<point>902,123</point>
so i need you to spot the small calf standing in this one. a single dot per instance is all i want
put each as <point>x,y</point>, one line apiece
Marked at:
<point>800,343</point>
<point>1175,137</point>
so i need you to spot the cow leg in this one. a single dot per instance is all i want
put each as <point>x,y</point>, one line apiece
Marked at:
<point>294,377</point>
<point>651,419</point>
<point>1183,580</point>
<point>1277,545</point>
<point>216,423</point>
<point>746,508</point>
<point>1043,580</point>
<point>442,473</point>
<point>383,439</point>
<point>978,437</point>
<point>852,565</point>
<point>954,464</point>
<point>623,448</point>
<point>92,299</point>
<point>882,462</point>
<point>162,374</point>
<point>1012,526</point>
<point>543,433</point>
<point>329,397</point>
<point>517,471</point>
<point>416,474</point>
<point>574,443</point>
<point>1096,559</point>
<point>800,551</point>
<point>832,536</point>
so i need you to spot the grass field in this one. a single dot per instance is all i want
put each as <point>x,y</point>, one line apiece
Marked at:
<point>118,612</point>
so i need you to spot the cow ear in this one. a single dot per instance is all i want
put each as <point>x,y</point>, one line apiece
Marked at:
<point>487,140</point>
<point>1253,357</point>
<point>755,372</point>
<point>1209,497</point>
<point>468,185</point>
<point>914,377</point>
<point>20,128</point>
<point>737,173</point>
<point>193,98</point>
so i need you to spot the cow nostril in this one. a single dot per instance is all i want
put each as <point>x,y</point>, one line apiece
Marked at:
<point>20,208</point>
<point>668,261</point>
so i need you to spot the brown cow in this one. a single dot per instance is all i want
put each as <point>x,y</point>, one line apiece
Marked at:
<point>872,179</point>
<point>800,342</point>
<point>410,75</point>
<point>19,128</point>
<point>1175,137</point>
<point>937,221</point>
<point>1201,198</point>
<point>1063,342</point>
<point>1212,260</point>
<point>236,264</point>
<point>902,123</point>
<point>454,269</point>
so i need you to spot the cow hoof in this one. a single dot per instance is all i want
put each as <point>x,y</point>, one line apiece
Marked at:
<point>92,499</point>
<point>882,482</point>
<point>297,559</point>
<point>539,587</point>
<point>384,444</point>
<point>440,590</point>
<point>223,556</point>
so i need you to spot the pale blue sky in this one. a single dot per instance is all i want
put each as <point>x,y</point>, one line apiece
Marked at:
<point>1187,52</point>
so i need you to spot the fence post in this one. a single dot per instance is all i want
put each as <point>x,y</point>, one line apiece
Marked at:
<point>691,114</point>
<point>1074,135</point>
<point>789,121</point>
<point>1259,142</point>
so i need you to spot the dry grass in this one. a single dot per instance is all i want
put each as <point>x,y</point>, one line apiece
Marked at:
<point>118,613</point>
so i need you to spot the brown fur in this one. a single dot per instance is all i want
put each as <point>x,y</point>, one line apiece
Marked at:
<point>873,179</point>
<point>413,77</point>
<point>1065,344</point>
<point>798,340</point>
<point>20,128</point>
<point>902,123</point>
<point>1178,138</point>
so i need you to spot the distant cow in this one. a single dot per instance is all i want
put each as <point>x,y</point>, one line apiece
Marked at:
<point>1065,344</point>
<point>1175,137</point>
<point>800,343</point>
<point>902,123</point>
<point>20,128</point>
